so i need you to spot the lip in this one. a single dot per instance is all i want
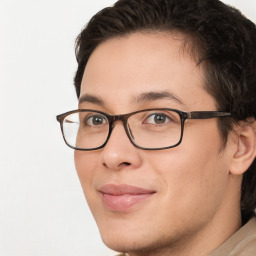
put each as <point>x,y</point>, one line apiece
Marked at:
<point>121,198</point>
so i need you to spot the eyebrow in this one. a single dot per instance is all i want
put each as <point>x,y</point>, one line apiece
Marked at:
<point>91,99</point>
<point>141,98</point>
<point>152,96</point>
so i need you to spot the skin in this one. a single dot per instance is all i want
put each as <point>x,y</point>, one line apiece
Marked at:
<point>196,204</point>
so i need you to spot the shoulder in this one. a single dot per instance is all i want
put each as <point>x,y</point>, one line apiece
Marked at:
<point>242,243</point>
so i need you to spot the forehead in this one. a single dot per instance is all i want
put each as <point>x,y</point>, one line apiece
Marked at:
<point>121,68</point>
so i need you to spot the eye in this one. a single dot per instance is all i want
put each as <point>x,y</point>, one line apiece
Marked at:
<point>95,120</point>
<point>158,118</point>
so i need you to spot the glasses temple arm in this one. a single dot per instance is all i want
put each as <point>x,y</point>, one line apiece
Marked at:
<point>207,114</point>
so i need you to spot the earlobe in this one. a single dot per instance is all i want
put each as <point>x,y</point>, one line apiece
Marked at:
<point>245,152</point>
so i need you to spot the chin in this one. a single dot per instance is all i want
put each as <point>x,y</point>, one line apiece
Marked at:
<point>126,236</point>
<point>124,244</point>
<point>122,238</point>
<point>140,244</point>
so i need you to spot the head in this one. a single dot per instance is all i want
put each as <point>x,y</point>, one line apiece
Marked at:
<point>204,53</point>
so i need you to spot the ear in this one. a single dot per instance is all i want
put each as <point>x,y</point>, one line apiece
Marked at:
<point>245,148</point>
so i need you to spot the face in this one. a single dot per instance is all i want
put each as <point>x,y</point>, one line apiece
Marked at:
<point>145,200</point>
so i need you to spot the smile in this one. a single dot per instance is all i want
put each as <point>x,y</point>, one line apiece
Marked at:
<point>121,198</point>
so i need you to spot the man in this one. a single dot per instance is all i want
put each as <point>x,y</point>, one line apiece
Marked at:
<point>165,134</point>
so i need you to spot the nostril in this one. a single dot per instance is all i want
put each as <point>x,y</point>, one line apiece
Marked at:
<point>122,164</point>
<point>126,163</point>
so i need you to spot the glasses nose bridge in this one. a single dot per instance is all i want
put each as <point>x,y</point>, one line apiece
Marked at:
<point>122,118</point>
<point>115,118</point>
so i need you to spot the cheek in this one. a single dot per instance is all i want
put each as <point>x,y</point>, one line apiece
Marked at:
<point>86,163</point>
<point>195,173</point>
<point>197,153</point>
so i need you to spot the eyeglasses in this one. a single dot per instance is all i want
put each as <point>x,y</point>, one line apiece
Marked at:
<point>149,129</point>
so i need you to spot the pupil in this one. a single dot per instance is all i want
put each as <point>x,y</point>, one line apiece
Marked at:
<point>159,119</point>
<point>97,120</point>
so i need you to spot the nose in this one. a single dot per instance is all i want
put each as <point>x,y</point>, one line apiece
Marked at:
<point>119,152</point>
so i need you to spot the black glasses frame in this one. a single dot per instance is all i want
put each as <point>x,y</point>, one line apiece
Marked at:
<point>124,117</point>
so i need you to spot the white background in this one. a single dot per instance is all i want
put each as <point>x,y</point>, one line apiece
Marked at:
<point>42,208</point>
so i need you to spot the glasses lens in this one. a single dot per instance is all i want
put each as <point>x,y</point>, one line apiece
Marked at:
<point>155,129</point>
<point>85,129</point>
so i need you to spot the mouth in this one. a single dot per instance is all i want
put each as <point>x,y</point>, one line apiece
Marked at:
<point>121,198</point>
